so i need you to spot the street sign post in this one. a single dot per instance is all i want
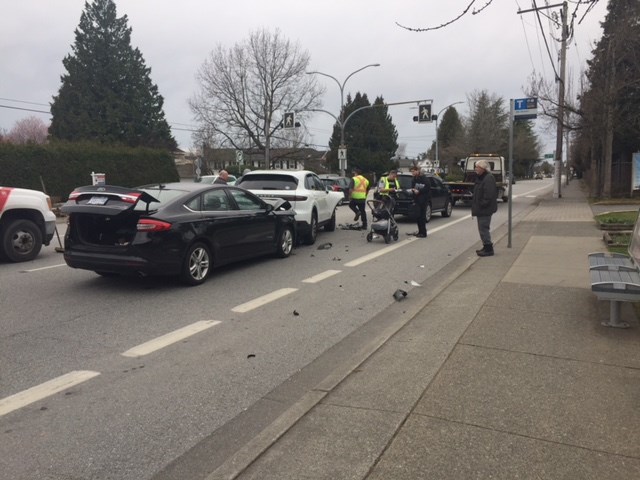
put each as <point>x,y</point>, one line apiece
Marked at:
<point>342,158</point>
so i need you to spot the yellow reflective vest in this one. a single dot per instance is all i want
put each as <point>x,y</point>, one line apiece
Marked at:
<point>360,185</point>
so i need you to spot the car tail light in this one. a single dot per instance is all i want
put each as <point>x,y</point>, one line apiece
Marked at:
<point>150,225</point>
<point>336,188</point>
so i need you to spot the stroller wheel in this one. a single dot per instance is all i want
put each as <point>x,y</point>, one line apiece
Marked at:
<point>395,236</point>
<point>369,236</point>
<point>387,238</point>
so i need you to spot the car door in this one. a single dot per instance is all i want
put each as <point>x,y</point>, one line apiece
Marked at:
<point>438,193</point>
<point>256,232</point>
<point>318,192</point>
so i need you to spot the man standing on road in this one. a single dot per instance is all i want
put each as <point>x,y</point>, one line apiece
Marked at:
<point>358,193</point>
<point>484,204</point>
<point>223,178</point>
<point>420,188</point>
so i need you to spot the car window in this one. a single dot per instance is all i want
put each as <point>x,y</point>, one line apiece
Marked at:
<point>246,201</point>
<point>162,194</point>
<point>215,201</point>
<point>435,182</point>
<point>258,181</point>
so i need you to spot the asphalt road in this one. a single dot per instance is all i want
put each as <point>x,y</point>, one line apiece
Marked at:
<point>136,378</point>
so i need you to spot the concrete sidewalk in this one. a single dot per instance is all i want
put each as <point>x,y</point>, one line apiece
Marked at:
<point>506,373</point>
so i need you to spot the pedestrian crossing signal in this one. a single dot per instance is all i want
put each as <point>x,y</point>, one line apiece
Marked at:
<point>289,120</point>
<point>424,113</point>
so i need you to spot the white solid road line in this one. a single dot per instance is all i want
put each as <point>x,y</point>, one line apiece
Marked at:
<point>44,268</point>
<point>321,276</point>
<point>168,339</point>
<point>260,301</point>
<point>46,389</point>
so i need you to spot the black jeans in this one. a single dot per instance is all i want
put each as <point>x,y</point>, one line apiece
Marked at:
<point>358,206</point>
<point>422,218</point>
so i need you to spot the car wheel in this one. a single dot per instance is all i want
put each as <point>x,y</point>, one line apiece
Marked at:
<point>21,240</point>
<point>448,208</point>
<point>429,213</point>
<point>285,243</point>
<point>310,238</point>
<point>505,199</point>
<point>331,226</point>
<point>196,265</point>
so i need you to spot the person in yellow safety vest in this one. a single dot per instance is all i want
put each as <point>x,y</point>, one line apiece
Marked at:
<point>358,188</point>
<point>387,188</point>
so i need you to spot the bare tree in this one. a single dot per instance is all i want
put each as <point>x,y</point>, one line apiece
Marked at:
<point>28,130</point>
<point>245,91</point>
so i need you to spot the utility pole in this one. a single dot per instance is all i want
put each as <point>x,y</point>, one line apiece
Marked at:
<point>561,89</point>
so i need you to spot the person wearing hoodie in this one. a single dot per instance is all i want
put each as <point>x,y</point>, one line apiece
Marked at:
<point>484,204</point>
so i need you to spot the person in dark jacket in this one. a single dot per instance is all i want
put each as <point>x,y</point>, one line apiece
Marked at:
<point>420,187</point>
<point>484,204</point>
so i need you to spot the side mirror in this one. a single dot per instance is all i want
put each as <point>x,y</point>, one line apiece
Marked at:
<point>269,207</point>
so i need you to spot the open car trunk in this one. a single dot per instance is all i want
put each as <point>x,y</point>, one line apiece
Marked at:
<point>105,215</point>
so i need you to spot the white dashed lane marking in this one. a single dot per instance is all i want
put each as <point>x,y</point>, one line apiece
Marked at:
<point>168,339</point>
<point>260,301</point>
<point>321,276</point>
<point>44,390</point>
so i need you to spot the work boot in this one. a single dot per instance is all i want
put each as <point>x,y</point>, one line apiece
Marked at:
<point>487,251</point>
<point>357,217</point>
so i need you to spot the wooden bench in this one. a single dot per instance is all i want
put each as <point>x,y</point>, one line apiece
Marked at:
<point>616,277</point>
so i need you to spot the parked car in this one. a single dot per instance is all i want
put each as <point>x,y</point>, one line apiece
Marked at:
<point>337,184</point>
<point>212,178</point>
<point>182,229</point>
<point>441,200</point>
<point>538,176</point>
<point>315,207</point>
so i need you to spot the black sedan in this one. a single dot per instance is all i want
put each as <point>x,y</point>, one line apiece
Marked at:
<point>440,200</point>
<point>182,229</point>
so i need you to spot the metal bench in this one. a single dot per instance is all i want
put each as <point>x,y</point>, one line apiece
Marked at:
<point>616,277</point>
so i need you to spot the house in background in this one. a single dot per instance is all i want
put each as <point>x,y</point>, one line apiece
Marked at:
<point>216,159</point>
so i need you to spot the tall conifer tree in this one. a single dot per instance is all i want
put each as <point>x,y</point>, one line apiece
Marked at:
<point>107,94</point>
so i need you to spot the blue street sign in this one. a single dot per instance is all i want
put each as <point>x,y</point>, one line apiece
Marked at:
<point>525,108</point>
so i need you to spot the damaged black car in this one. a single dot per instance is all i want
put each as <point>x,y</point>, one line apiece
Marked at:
<point>180,229</point>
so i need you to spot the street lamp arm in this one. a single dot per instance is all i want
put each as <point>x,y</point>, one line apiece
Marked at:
<point>450,105</point>
<point>359,70</point>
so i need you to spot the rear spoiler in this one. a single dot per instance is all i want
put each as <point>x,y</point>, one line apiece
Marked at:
<point>92,198</point>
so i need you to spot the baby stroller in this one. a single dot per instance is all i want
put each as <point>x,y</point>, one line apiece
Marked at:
<point>383,223</point>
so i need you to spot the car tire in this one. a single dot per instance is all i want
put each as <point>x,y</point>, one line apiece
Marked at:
<point>21,240</point>
<point>285,242</point>
<point>429,213</point>
<point>331,226</point>
<point>448,208</point>
<point>196,265</point>
<point>310,237</point>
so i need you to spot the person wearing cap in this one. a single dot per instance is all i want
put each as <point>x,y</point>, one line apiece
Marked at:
<point>358,188</point>
<point>484,204</point>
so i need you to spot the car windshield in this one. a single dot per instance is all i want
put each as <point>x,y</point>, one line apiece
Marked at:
<point>405,181</point>
<point>259,181</point>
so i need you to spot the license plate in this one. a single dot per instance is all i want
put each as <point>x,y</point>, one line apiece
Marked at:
<point>97,200</point>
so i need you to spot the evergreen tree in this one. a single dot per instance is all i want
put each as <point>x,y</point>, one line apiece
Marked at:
<point>487,126</point>
<point>610,124</point>
<point>370,136</point>
<point>107,94</point>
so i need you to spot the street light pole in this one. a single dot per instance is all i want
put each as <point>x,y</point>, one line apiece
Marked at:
<point>437,117</point>
<point>340,120</point>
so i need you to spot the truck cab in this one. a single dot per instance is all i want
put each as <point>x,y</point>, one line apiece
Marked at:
<point>463,191</point>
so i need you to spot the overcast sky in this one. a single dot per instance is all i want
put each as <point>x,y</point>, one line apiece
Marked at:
<point>495,50</point>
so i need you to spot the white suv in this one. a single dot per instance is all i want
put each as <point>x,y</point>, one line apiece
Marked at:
<point>315,206</point>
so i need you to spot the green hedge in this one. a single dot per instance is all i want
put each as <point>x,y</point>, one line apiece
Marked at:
<point>64,166</point>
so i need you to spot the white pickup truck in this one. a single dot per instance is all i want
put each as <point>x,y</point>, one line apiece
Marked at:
<point>26,223</point>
